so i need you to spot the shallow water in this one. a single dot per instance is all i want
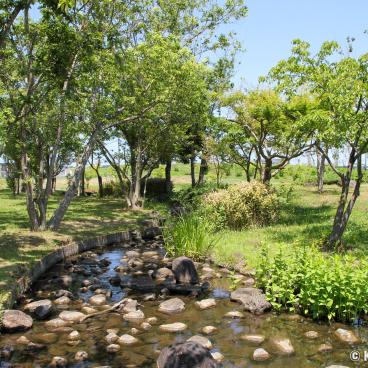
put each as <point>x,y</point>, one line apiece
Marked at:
<point>237,352</point>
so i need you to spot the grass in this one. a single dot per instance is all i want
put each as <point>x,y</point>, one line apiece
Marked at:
<point>86,218</point>
<point>304,220</point>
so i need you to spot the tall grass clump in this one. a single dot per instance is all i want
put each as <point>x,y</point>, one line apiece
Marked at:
<point>242,206</point>
<point>189,235</point>
<point>322,286</point>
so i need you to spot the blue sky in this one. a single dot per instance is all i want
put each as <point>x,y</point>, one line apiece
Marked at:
<point>271,25</point>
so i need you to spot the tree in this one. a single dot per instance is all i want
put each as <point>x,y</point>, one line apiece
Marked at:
<point>277,129</point>
<point>340,85</point>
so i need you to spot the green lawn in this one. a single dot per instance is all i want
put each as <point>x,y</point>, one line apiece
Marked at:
<point>304,220</point>
<point>86,218</point>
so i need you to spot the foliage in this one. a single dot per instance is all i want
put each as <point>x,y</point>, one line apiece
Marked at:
<point>156,187</point>
<point>315,284</point>
<point>190,235</point>
<point>242,206</point>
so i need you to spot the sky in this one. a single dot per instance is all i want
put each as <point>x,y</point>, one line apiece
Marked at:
<point>266,33</point>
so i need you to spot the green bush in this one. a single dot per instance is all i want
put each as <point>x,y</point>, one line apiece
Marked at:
<point>242,206</point>
<point>321,286</point>
<point>113,189</point>
<point>189,235</point>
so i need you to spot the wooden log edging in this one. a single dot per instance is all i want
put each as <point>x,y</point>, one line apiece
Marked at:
<point>40,267</point>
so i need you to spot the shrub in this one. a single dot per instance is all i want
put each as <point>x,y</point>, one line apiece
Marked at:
<point>113,189</point>
<point>321,286</point>
<point>241,206</point>
<point>189,235</point>
<point>155,187</point>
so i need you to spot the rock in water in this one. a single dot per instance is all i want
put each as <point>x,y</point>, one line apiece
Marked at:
<point>346,336</point>
<point>127,340</point>
<point>173,327</point>
<point>206,303</point>
<point>284,346</point>
<point>71,316</point>
<point>164,275</point>
<point>15,320</point>
<point>172,306</point>
<point>39,309</point>
<point>201,340</point>
<point>184,270</point>
<point>186,355</point>
<point>261,355</point>
<point>98,299</point>
<point>253,300</point>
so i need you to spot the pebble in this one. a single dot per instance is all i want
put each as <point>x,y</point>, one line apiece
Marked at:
<point>134,316</point>
<point>311,334</point>
<point>58,361</point>
<point>208,330</point>
<point>127,340</point>
<point>218,356</point>
<point>80,356</point>
<point>261,355</point>
<point>255,339</point>
<point>284,346</point>
<point>173,327</point>
<point>346,336</point>
<point>113,348</point>
<point>234,314</point>
<point>111,338</point>
<point>201,340</point>
<point>206,303</point>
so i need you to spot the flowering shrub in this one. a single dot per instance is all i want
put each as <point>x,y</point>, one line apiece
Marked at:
<point>241,206</point>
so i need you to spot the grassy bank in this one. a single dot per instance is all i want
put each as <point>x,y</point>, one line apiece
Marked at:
<point>86,218</point>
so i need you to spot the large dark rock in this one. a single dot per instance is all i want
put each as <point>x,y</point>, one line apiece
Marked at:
<point>151,232</point>
<point>39,309</point>
<point>184,270</point>
<point>253,300</point>
<point>186,355</point>
<point>15,320</point>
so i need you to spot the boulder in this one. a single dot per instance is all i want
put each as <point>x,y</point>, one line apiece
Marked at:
<point>164,275</point>
<point>71,316</point>
<point>173,327</point>
<point>185,355</point>
<point>184,270</point>
<point>254,339</point>
<point>260,355</point>
<point>284,346</point>
<point>39,309</point>
<point>15,320</point>
<point>201,340</point>
<point>97,300</point>
<point>346,336</point>
<point>172,306</point>
<point>252,299</point>
<point>206,303</point>
<point>127,340</point>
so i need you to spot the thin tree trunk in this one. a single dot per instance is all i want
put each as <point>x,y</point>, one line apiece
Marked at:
<point>168,176</point>
<point>267,172</point>
<point>321,163</point>
<point>59,213</point>
<point>202,171</point>
<point>136,176</point>
<point>192,170</point>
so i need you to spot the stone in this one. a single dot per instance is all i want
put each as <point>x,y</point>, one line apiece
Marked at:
<point>23,340</point>
<point>206,303</point>
<point>187,354</point>
<point>311,334</point>
<point>56,323</point>
<point>88,310</point>
<point>234,314</point>
<point>149,297</point>
<point>135,263</point>
<point>113,348</point>
<point>132,254</point>
<point>127,340</point>
<point>115,280</point>
<point>152,320</point>
<point>74,335</point>
<point>39,309</point>
<point>58,362</point>
<point>150,254</point>
<point>254,339</point>
<point>284,346</point>
<point>260,355</point>
<point>86,283</point>
<point>73,342</point>
<point>97,300</point>
<point>134,316</point>
<point>61,292</point>
<point>63,300</point>
<point>130,306</point>
<point>71,316</point>
<point>201,340</point>
<point>164,275</point>
<point>173,327</point>
<point>208,330</point>
<point>249,282</point>
<point>15,320</point>
<point>184,270</point>
<point>325,348</point>
<point>172,306</point>
<point>145,326</point>
<point>66,280</point>
<point>111,338</point>
<point>346,336</point>
<point>134,331</point>
<point>252,299</point>
<point>217,356</point>
<point>80,356</point>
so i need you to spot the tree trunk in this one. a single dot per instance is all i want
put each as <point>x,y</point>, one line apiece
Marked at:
<point>53,190</point>
<point>136,176</point>
<point>345,207</point>
<point>321,163</point>
<point>168,176</point>
<point>100,185</point>
<point>267,171</point>
<point>202,171</point>
<point>192,170</point>
<point>59,213</point>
